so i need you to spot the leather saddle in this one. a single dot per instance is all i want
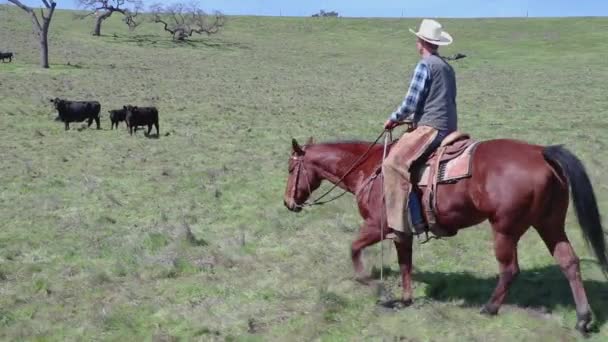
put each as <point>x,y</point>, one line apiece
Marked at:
<point>452,161</point>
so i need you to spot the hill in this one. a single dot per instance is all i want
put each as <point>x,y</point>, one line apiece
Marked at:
<point>107,236</point>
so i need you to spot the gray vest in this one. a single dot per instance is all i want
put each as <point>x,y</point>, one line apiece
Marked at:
<point>439,108</point>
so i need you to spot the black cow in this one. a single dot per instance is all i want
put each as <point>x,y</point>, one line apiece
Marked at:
<point>6,55</point>
<point>116,116</point>
<point>141,116</point>
<point>77,111</point>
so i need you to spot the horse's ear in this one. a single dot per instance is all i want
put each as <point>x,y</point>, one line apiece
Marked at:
<point>296,147</point>
<point>310,141</point>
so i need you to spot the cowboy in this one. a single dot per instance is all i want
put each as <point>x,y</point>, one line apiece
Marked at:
<point>430,110</point>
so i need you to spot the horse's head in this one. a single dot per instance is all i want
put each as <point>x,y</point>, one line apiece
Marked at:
<point>302,179</point>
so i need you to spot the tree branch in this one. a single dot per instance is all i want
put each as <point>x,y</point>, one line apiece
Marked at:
<point>105,15</point>
<point>117,6</point>
<point>119,10</point>
<point>47,19</point>
<point>183,21</point>
<point>30,11</point>
<point>130,19</point>
<point>83,16</point>
<point>166,28</point>
<point>20,5</point>
<point>103,9</point>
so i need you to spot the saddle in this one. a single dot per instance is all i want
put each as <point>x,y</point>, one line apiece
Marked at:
<point>448,164</point>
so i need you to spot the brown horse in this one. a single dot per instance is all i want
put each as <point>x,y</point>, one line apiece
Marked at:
<point>514,185</point>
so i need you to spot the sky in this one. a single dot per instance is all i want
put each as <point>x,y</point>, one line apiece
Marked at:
<point>396,8</point>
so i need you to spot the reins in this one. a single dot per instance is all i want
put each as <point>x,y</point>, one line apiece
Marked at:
<point>318,201</point>
<point>388,138</point>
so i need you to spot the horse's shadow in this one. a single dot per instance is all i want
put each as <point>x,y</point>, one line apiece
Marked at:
<point>543,289</point>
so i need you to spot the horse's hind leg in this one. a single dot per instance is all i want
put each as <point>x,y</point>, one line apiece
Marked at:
<point>559,246</point>
<point>505,248</point>
<point>368,235</point>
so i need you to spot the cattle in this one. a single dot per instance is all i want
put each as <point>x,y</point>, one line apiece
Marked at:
<point>141,116</point>
<point>77,111</point>
<point>116,116</point>
<point>6,55</point>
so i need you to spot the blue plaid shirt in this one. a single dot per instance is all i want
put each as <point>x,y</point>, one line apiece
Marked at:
<point>416,94</point>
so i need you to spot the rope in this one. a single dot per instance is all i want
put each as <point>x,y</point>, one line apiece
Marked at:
<point>387,138</point>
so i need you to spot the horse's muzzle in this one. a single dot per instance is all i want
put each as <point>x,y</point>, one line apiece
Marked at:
<point>292,206</point>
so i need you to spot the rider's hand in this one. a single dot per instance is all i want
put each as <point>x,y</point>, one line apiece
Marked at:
<point>410,126</point>
<point>390,124</point>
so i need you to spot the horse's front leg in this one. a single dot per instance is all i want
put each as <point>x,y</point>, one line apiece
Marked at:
<point>368,235</point>
<point>404,256</point>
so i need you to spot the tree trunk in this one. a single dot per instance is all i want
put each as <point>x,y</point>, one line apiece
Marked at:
<point>44,49</point>
<point>99,20</point>
<point>41,30</point>
<point>180,35</point>
<point>97,29</point>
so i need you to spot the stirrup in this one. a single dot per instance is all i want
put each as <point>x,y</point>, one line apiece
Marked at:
<point>418,229</point>
<point>428,238</point>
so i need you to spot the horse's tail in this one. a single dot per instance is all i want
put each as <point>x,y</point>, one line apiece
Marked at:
<point>584,200</point>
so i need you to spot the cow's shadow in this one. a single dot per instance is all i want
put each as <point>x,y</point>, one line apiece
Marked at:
<point>152,136</point>
<point>543,289</point>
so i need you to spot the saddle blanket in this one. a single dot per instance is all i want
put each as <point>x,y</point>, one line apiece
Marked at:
<point>450,170</point>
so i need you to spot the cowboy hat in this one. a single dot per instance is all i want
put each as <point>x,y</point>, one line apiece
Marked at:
<point>432,32</point>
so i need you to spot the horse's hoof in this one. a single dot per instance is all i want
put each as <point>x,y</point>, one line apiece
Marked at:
<point>583,328</point>
<point>396,304</point>
<point>364,280</point>
<point>583,322</point>
<point>489,310</point>
<point>407,302</point>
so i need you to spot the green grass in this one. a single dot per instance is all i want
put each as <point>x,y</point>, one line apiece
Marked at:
<point>104,236</point>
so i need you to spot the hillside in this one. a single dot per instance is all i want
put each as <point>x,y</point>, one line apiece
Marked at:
<point>111,237</point>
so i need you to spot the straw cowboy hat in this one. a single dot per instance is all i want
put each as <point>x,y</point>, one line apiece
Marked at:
<point>432,32</point>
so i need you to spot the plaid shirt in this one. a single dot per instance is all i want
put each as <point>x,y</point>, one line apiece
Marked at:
<point>416,94</point>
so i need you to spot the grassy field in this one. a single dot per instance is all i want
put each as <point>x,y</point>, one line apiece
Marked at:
<point>104,236</point>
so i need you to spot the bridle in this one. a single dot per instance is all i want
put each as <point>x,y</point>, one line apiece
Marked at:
<point>299,160</point>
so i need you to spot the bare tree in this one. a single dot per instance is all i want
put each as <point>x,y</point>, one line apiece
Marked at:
<point>103,9</point>
<point>40,29</point>
<point>182,20</point>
